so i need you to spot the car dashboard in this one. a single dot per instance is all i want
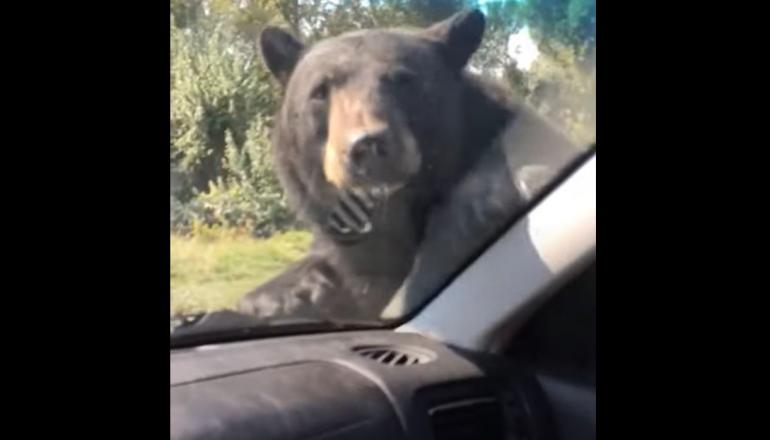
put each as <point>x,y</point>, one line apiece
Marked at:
<point>351,385</point>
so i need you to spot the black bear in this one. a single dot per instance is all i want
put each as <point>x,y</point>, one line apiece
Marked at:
<point>401,161</point>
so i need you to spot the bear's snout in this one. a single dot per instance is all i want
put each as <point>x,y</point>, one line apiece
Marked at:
<point>368,144</point>
<point>373,158</point>
<point>366,149</point>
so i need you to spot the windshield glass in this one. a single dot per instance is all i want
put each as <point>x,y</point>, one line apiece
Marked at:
<point>335,163</point>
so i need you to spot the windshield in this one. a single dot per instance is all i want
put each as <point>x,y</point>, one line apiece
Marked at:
<point>335,163</point>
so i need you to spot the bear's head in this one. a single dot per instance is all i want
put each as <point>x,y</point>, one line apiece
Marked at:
<point>368,111</point>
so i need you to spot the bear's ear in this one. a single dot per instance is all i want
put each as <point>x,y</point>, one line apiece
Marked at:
<point>280,52</point>
<point>460,35</point>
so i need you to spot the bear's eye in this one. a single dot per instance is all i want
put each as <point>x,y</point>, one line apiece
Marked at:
<point>402,77</point>
<point>320,92</point>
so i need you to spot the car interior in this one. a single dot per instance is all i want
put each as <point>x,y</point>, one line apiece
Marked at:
<point>505,351</point>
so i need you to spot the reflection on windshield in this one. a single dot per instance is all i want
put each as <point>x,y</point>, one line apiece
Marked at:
<point>316,173</point>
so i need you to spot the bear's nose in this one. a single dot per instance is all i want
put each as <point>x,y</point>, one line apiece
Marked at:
<point>367,147</point>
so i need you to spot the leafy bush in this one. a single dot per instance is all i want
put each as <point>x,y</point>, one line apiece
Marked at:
<point>248,198</point>
<point>222,102</point>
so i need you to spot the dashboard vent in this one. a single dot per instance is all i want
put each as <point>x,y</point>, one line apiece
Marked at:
<point>394,355</point>
<point>477,418</point>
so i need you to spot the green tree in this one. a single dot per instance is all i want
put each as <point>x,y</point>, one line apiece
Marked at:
<point>222,102</point>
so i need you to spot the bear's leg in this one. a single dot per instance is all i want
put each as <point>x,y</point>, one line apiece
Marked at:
<point>310,288</point>
<point>524,158</point>
<point>475,211</point>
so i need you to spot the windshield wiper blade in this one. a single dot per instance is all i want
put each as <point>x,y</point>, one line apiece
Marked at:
<point>185,320</point>
<point>229,325</point>
<point>212,321</point>
<point>332,322</point>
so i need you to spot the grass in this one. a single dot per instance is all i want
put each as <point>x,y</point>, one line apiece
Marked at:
<point>212,270</point>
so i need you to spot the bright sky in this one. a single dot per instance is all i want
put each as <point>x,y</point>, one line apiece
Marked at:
<point>522,48</point>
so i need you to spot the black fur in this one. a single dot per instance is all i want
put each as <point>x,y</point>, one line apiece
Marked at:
<point>474,140</point>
